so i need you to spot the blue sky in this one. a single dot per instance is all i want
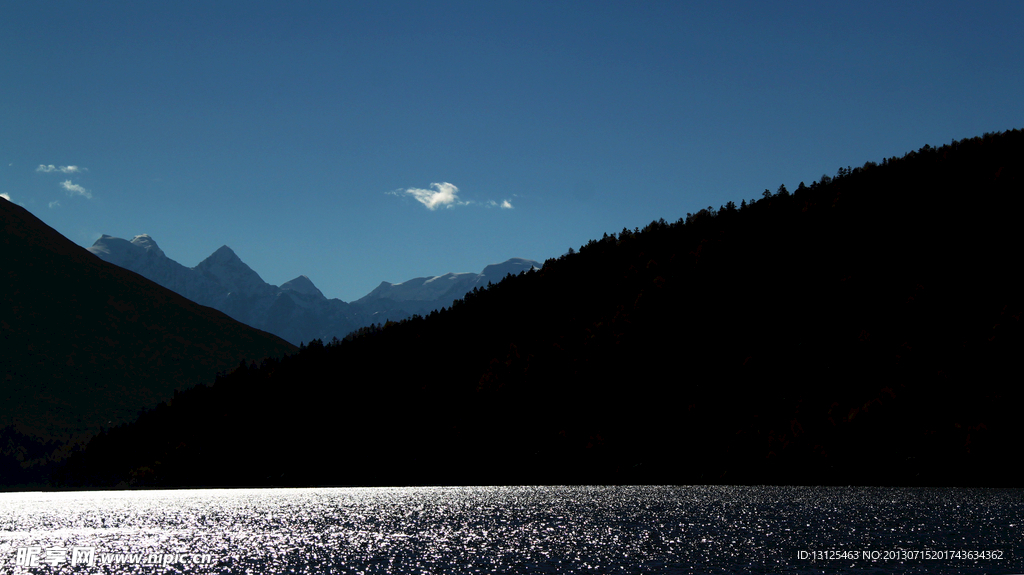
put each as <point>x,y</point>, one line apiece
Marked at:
<point>315,137</point>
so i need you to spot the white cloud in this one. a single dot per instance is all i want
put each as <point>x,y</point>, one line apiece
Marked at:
<point>443,194</point>
<point>505,204</point>
<point>5,196</point>
<point>75,189</point>
<point>54,204</point>
<point>446,194</point>
<point>63,169</point>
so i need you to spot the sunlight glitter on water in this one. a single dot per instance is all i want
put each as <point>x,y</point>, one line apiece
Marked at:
<point>513,529</point>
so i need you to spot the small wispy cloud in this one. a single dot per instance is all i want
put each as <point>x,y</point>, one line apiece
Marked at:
<point>63,169</point>
<point>5,196</point>
<point>505,204</point>
<point>447,195</point>
<point>75,189</point>
<point>443,194</point>
<point>54,204</point>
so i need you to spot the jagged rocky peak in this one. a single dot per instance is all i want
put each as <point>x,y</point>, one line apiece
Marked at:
<point>225,268</point>
<point>223,254</point>
<point>303,285</point>
<point>223,260</point>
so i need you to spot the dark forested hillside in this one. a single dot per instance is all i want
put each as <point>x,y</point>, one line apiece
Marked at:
<point>862,329</point>
<point>85,344</point>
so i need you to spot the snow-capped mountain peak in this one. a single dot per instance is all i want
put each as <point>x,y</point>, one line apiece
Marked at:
<point>126,253</point>
<point>147,243</point>
<point>494,273</point>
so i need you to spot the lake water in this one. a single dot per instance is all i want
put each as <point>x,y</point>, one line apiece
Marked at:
<point>441,530</point>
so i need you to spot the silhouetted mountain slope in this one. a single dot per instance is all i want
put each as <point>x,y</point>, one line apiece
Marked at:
<point>864,329</point>
<point>86,344</point>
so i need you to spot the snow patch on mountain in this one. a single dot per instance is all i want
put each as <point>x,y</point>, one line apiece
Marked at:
<point>449,287</point>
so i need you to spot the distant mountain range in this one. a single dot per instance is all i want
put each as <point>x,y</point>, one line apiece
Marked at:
<point>426,294</point>
<point>296,310</point>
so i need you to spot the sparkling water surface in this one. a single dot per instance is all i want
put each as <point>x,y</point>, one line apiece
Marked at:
<point>468,530</point>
